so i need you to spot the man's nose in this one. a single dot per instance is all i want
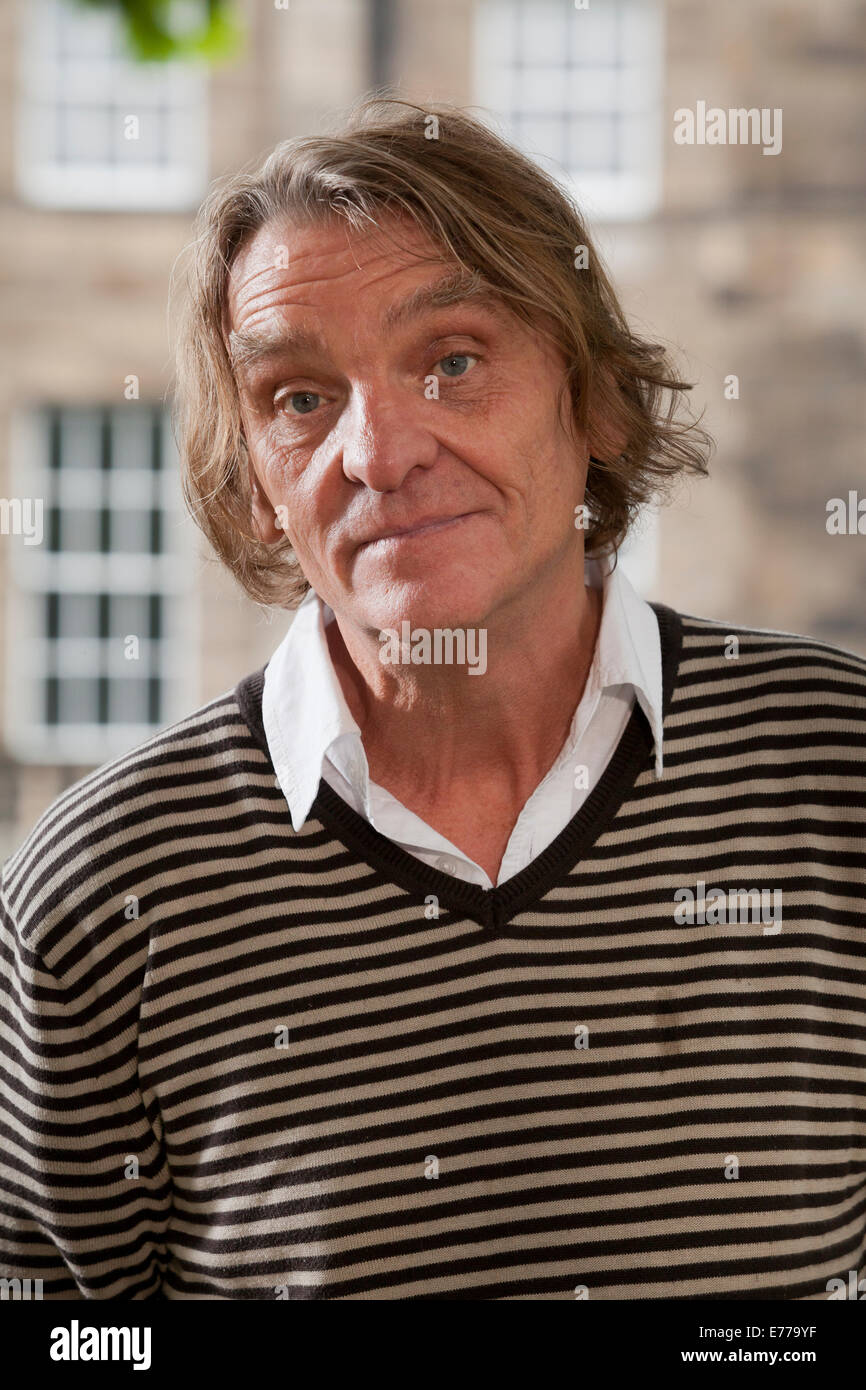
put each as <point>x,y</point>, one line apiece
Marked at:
<point>384,436</point>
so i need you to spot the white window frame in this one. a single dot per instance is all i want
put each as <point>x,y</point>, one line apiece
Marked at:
<point>33,572</point>
<point>624,195</point>
<point>175,91</point>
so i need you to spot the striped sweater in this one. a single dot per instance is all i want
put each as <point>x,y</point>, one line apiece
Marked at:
<point>244,1062</point>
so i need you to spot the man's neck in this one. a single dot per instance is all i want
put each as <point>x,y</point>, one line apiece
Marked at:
<point>435,735</point>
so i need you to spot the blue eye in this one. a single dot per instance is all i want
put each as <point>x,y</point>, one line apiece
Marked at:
<point>456,363</point>
<point>302,402</point>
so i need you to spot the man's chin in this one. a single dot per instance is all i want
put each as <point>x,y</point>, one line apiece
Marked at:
<point>426,605</point>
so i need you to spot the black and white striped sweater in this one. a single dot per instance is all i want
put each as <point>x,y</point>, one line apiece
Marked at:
<point>240,1062</point>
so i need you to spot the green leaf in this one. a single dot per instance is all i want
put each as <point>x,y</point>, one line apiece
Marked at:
<point>153,34</point>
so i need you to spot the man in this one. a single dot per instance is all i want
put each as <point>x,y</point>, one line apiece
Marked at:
<point>504,937</point>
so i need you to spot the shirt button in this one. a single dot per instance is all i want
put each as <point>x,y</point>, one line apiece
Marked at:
<point>446,865</point>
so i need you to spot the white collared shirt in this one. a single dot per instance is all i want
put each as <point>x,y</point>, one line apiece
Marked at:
<point>312,735</point>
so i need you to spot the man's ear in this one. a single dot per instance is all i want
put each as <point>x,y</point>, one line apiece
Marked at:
<point>263,513</point>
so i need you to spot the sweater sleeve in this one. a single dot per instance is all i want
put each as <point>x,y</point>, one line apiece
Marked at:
<point>85,1193</point>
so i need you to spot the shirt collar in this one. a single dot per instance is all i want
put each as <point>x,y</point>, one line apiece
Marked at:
<point>302,694</point>
<point>628,648</point>
<point>307,719</point>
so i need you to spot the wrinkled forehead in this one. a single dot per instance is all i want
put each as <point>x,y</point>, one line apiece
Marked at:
<point>387,276</point>
<point>310,257</point>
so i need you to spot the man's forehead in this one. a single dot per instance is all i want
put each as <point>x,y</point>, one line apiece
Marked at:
<point>407,276</point>
<point>328,250</point>
<point>455,286</point>
<point>284,265</point>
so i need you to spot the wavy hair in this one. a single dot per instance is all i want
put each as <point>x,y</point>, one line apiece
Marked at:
<point>495,213</point>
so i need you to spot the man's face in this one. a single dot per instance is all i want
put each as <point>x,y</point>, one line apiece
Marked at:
<point>370,407</point>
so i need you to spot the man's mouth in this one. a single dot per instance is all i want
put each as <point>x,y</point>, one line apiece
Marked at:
<point>424,526</point>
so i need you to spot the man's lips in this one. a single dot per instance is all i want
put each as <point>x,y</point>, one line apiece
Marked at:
<point>422,527</point>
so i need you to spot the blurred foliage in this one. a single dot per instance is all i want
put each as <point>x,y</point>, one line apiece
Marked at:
<point>159,30</point>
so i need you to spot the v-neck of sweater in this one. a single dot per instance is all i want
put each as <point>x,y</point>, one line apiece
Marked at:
<point>492,907</point>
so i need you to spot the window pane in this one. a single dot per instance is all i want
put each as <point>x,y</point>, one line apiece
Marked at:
<point>593,143</point>
<point>595,91</point>
<point>128,701</point>
<point>130,531</point>
<point>544,137</point>
<point>594,35</point>
<point>78,615</point>
<point>86,134</point>
<point>542,30</point>
<point>86,33</point>
<point>541,89</point>
<point>130,615</point>
<point>79,531</point>
<point>141,143</point>
<point>79,700</point>
<point>132,438</point>
<point>80,438</point>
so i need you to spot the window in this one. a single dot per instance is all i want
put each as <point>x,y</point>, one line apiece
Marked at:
<point>581,91</point>
<point>99,623</point>
<point>97,129</point>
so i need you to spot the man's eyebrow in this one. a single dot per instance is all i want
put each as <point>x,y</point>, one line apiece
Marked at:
<point>457,287</point>
<point>246,349</point>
